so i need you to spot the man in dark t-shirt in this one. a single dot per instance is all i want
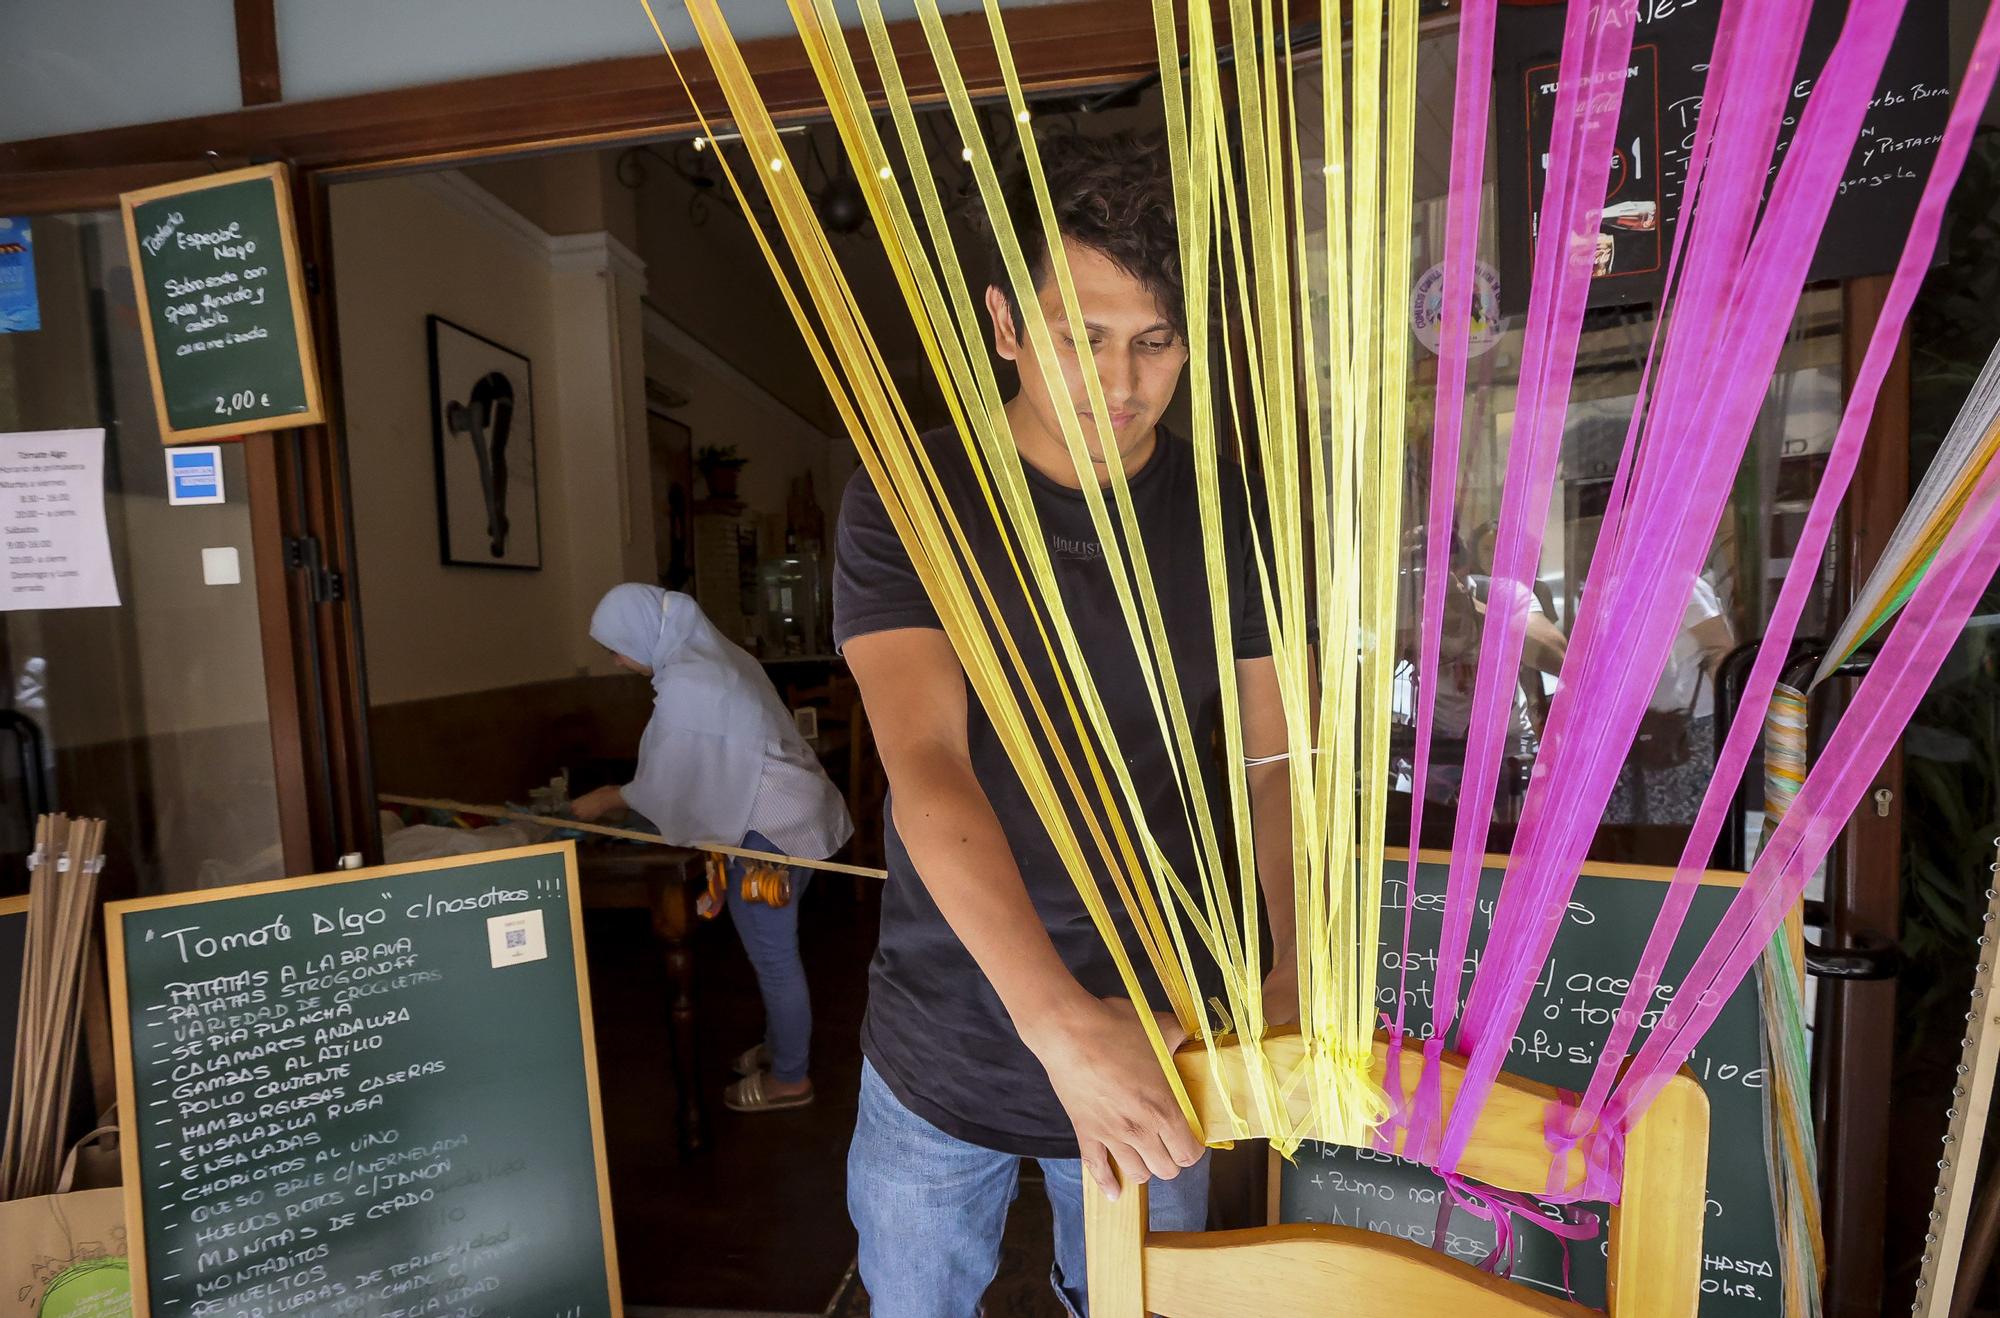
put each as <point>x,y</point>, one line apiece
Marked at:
<point>996,1026</point>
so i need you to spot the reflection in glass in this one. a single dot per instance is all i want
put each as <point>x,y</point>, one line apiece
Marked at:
<point>151,715</point>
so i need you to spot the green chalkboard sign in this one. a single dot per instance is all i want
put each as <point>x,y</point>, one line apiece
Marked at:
<point>1561,1035</point>
<point>364,1093</point>
<point>215,263</point>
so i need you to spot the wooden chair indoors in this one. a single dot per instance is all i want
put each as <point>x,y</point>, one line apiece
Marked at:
<point>1291,1271</point>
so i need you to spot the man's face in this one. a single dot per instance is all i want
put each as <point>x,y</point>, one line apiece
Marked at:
<point>1138,353</point>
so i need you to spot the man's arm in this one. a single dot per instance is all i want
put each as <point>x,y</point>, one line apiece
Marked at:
<point>1271,828</point>
<point>1098,1058</point>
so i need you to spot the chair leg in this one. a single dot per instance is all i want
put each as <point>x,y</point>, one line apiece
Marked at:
<point>1114,1236</point>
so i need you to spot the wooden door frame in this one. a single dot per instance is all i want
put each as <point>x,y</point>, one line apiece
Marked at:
<point>1083,43</point>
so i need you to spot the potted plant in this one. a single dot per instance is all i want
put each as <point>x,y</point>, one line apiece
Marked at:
<point>720,465</point>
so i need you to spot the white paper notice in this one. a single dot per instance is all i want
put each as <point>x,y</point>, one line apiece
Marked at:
<point>515,938</point>
<point>52,521</point>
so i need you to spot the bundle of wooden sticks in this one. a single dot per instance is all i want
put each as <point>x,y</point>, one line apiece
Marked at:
<point>62,901</point>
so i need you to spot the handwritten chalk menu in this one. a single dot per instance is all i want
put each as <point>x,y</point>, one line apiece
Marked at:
<point>52,527</point>
<point>1560,1038</point>
<point>222,304</point>
<point>1671,47</point>
<point>364,1093</point>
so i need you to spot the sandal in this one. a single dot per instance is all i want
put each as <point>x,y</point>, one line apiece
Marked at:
<point>749,1095</point>
<point>752,1060</point>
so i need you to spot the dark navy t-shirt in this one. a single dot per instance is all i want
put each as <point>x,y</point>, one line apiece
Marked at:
<point>934,1028</point>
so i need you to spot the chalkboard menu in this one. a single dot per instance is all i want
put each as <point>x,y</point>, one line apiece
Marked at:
<point>222,305</point>
<point>1664,81</point>
<point>13,959</point>
<point>364,1093</point>
<point>1560,1038</point>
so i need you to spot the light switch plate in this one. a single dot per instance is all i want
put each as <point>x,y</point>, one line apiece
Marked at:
<point>221,567</point>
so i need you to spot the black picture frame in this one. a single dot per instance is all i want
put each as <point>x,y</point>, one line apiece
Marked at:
<point>483,451</point>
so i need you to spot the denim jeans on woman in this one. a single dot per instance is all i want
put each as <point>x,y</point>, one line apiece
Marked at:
<point>930,1210</point>
<point>770,936</point>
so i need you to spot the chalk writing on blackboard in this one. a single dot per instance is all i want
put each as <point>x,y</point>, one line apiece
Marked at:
<point>1666,78</point>
<point>345,1108</point>
<point>1581,986</point>
<point>217,274</point>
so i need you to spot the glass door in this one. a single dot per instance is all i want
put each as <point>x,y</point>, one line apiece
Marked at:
<point>151,714</point>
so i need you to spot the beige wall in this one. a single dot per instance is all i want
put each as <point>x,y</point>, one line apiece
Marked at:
<point>406,248</point>
<point>526,253</point>
<point>727,407</point>
<point>573,192</point>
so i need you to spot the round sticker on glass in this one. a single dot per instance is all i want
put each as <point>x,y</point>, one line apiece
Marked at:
<point>1427,300</point>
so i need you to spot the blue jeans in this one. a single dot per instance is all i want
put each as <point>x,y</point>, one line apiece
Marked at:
<point>770,936</point>
<point>930,1210</point>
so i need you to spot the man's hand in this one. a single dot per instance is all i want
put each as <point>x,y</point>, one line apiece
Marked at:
<point>1110,1083</point>
<point>593,806</point>
<point>1281,990</point>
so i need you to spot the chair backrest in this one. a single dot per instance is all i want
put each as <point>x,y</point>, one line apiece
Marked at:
<point>1313,1268</point>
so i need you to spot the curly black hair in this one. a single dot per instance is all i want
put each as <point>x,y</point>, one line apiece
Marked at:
<point>1112,194</point>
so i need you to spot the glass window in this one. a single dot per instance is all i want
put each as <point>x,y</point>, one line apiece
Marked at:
<point>1662,783</point>
<point>151,715</point>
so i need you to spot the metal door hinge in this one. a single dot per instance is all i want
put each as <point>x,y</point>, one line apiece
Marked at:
<point>304,554</point>
<point>312,278</point>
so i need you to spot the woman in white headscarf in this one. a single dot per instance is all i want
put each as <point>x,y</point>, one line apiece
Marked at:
<point>722,761</point>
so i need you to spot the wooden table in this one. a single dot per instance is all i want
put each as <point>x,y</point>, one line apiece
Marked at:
<point>664,882</point>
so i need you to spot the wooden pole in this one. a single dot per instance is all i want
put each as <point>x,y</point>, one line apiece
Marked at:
<point>628,834</point>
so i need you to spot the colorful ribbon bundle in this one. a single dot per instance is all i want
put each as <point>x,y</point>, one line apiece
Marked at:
<point>1311,382</point>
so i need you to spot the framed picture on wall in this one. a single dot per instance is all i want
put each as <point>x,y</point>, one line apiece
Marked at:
<point>670,451</point>
<point>483,441</point>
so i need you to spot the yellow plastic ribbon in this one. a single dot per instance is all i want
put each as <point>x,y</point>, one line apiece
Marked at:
<point>1312,373</point>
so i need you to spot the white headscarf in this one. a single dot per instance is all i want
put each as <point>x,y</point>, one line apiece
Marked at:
<point>717,728</point>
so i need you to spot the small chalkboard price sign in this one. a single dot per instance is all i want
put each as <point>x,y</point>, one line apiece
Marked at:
<point>222,304</point>
<point>372,1092</point>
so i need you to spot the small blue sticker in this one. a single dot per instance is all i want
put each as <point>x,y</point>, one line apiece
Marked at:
<point>194,475</point>
<point>20,308</point>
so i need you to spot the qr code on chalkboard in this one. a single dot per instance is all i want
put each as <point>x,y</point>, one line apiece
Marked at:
<point>516,938</point>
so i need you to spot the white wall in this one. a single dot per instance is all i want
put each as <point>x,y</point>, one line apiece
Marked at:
<point>72,65</point>
<point>405,248</point>
<point>65,68</point>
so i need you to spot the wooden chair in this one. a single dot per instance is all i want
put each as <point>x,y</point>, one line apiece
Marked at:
<point>1291,1271</point>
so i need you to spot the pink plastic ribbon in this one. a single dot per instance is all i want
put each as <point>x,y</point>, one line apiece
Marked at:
<point>1461,246</point>
<point>1744,279</point>
<point>1503,1208</point>
<point>1718,805</point>
<point>1896,681</point>
<point>1594,56</point>
<point>1618,598</point>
